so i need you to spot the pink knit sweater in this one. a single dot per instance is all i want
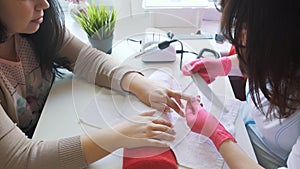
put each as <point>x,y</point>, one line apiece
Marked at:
<point>22,96</point>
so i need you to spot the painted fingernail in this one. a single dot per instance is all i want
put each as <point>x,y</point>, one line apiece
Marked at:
<point>167,109</point>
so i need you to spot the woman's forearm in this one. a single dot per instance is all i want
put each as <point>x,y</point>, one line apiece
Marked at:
<point>236,158</point>
<point>97,145</point>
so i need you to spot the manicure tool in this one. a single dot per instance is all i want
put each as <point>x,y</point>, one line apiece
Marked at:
<point>218,106</point>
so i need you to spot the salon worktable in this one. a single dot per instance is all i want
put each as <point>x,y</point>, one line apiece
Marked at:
<point>70,95</point>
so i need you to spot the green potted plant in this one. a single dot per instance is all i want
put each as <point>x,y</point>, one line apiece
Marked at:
<point>98,21</point>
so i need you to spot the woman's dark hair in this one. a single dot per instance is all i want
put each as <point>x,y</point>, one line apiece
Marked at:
<point>269,57</point>
<point>3,33</point>
<point>48,40</point>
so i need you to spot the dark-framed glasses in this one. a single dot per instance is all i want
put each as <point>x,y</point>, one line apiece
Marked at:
<point>219,5</point>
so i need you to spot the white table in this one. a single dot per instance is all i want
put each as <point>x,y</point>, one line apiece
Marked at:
<point>71,95</point>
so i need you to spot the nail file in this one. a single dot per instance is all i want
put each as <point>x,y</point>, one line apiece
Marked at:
<point>217,105</point>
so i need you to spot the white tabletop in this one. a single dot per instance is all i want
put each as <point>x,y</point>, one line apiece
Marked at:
<point>70,95</point>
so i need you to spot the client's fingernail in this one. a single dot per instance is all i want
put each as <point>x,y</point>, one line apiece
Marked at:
<point>181,113</point>
<point>173,132</point>
<point>167,109</point>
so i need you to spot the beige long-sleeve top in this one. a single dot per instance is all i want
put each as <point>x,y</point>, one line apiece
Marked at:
<point>17,151</point>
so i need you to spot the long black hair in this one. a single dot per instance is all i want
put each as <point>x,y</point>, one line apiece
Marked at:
<point>3,33</point>
<point>48,40</point>
<point>270,56</point>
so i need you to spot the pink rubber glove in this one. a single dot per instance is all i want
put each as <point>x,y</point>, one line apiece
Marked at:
<point>208,68</point>
<point>202,122</point>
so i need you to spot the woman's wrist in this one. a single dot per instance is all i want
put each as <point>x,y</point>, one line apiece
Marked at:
<point>221,135</point>
<point>132,82</point>
<point>98,144</point>
<point>92,150</point>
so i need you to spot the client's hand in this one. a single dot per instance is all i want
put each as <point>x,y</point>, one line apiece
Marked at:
<point>162,98</point>
<point>155,94</point>
<point>202,122</point>
<point>207,68</point>
<point>145,130</point>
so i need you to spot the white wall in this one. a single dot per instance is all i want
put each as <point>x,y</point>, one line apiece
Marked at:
<point>125,8</point>
<point>131,8</point>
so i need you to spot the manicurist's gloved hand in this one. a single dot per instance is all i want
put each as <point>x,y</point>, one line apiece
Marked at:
<point>208,68</point>
<point>202,122</point>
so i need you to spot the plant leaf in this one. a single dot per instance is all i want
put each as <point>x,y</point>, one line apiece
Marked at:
<point>97,21</point>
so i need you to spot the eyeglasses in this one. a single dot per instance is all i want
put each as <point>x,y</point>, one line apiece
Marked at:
<point>219,5</point>
<point>199,55</point>
<point>215,53</point>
